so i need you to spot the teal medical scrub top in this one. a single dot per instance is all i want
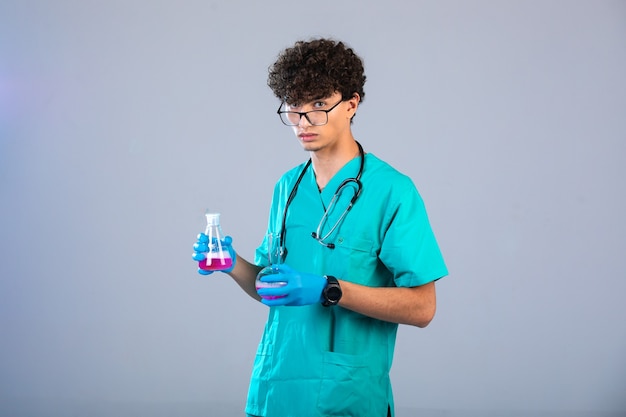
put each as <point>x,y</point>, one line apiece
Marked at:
<point>330,361</point>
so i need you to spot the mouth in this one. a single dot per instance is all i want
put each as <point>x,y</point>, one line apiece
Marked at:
<point>307,136</point>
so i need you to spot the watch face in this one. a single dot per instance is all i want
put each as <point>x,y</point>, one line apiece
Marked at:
<point>333,294</point>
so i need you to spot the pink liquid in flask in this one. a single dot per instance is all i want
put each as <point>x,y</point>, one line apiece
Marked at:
<point>260,284</point>
<point>216,264</point>
<point>271,297</point>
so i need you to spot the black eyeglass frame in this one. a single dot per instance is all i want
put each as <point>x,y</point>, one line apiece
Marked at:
<point>305,114</point>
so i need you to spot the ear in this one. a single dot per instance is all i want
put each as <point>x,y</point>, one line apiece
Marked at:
<point>354,104</point>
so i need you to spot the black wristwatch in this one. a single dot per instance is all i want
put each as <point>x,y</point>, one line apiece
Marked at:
<point>332,293</point>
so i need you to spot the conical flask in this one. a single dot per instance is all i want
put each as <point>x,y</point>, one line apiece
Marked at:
<point>217,256</point>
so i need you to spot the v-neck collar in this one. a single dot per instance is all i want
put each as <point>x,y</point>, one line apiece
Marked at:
<point>349,170</point>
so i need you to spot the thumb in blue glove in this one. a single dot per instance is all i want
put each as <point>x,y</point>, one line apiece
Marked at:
<point>217,255</point>
<point>300,288</point>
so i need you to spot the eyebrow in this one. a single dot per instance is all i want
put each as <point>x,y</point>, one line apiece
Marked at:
<point>312,101</point>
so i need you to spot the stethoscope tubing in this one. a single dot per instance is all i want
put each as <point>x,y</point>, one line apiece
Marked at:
<point>344,183</point>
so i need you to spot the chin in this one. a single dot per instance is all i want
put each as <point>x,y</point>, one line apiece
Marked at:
<point>310,147</point>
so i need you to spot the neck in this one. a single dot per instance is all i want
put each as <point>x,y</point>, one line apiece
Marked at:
<point>328,161</point>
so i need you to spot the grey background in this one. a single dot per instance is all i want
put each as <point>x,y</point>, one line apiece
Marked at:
<point>121,121</point>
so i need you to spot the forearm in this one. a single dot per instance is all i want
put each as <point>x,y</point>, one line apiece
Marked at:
<point>414,306</point>
<point>244,274</point>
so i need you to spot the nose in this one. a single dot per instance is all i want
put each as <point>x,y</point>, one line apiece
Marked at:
<point>304,121</point>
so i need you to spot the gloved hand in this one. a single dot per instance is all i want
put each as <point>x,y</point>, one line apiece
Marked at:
<point>201,248</point>
<point>301,288</point>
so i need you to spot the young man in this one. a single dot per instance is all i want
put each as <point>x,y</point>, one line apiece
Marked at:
<point>358,253</point>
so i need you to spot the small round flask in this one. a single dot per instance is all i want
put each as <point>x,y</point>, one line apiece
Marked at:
<point>274,256</point>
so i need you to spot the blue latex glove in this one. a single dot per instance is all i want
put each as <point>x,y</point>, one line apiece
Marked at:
<point>301,288</point>
<point>201,247</point>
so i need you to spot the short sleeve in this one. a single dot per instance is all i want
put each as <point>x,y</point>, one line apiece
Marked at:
<point>409,248</point>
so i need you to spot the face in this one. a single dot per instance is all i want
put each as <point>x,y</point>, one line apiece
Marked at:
<point>339,112</point>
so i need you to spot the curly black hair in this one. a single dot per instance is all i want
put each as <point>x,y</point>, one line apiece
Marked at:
<point>315,69</point>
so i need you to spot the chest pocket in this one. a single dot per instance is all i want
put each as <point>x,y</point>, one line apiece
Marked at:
<point>354,258</point>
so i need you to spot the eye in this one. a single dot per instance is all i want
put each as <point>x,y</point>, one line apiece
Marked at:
<point>319,104</point>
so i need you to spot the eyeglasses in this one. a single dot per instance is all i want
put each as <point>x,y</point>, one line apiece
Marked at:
<point>314,117</point>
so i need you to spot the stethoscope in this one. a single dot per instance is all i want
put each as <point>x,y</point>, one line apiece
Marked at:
<point>356,181</point>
